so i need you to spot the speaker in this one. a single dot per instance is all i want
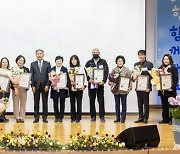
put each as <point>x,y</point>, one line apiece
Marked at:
<point>140,137</point>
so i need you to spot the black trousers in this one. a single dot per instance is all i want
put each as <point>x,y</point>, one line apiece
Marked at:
<point>123,99</point>
<point>44,102</point>
<point>99,92</point>
<point>76,110</point>
<point>166,116</point>
<point>2,115</point>
<point>143,104</point>
<point>59,114</point>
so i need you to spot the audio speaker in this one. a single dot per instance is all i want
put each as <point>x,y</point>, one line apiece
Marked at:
<point>140,137</point>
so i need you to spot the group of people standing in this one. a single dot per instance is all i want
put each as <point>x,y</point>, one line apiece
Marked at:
<point>41,84</point>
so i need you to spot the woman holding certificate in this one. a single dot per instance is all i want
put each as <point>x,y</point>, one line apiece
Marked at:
<point>60,84</point>
<point>168,82</point>
<point>4,64</point>
<point>77,77</point>
<point>20,97</point>
<point>120,77</point>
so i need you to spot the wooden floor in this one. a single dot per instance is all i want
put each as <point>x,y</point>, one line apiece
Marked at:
<point>61,131</point>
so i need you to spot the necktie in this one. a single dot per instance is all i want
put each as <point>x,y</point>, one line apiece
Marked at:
<point>40,66</point>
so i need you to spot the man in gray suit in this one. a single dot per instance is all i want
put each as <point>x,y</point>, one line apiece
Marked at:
<point>40,84</point>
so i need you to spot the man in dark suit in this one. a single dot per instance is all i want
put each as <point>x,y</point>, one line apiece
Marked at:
<point>143,96</point>
<point>40,84</point>
<point>97,62</point>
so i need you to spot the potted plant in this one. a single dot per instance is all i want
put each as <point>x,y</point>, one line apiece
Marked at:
<point>175,111</point>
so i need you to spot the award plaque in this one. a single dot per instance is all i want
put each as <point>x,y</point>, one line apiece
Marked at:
<point>4,83</point>
<point>78,81</point>
<point>98,74</point>
<point>165,81</point>
<point>124,83</point>
<point>25,80</point>
<point>142,82</point>
<point>62,82</point>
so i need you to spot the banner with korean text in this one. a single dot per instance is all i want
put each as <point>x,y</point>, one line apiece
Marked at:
<point>168,33</point>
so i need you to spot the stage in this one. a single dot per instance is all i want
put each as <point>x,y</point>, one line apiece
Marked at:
<point>61,131</point>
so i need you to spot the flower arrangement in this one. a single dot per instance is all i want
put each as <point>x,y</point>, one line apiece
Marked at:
<point>97,142</point>
<point>175,102</point>
<point>89,71</point>
<point>54,78</point>
<point>42,141</point>
<point>15,77</point>
<point>35,141</point>
<point>4,104</point>
<point>136,71</point>
<point>114,78</point>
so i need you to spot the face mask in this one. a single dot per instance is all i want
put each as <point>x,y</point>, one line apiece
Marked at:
<point>95,56</point>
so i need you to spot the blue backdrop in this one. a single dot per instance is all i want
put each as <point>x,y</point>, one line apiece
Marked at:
<point>168,32</point>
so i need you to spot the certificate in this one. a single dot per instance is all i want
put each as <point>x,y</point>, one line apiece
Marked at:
<point>165,81</point>
<point>4,72</point>
<point>98,74</point>
<point>4,83</point>
<point>124,83</point>
<point>79,81</point>
<point>142,83</point>
<point>62,82</point>
<point>25,80</point>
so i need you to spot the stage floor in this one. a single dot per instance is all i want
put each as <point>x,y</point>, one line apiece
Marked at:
<point>61,131</point>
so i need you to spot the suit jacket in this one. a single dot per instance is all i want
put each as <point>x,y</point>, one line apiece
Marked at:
<point>62,93</point>
<point>149,66</point>
<point>174,71</point>
<point>38,77</point>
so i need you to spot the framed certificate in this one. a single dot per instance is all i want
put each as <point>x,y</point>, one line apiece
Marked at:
<point>4,83</point>
<point>142,83</point>
<point>62,82</point>
<point>98,74</point>
<point>165,81</point>
<point>25,80</point>
<point>79,81</point>
<point>124,83</point>
<point>4,72</point>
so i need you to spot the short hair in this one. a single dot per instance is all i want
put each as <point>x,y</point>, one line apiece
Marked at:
<point>142,52</point>
<point>120,57</point>
<point>75,57</point>
<point>59,57</point>
<point>7,61</point>
<point>19,57</point>
<point>39,50</point>
<point>170,59</point>
<point>96,49</point>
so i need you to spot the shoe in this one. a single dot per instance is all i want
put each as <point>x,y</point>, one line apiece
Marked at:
<point>18,120</point>
<point>122,121</point>
<point>60,120</point>
<point>56,120</point>
<point>145,121</point>
<point>163,122</point>
<point>6,120</point>
<point>36,120</point>
<point>3,120</point>
<point>93,119</point>
<point>139,120</point>
<point>45,120</point>
<point>77,120</point>
<point>115,121</point>
<point>102,119</point>
<point>72,120</point>
<point>21,120</point>
<point>170,123</point>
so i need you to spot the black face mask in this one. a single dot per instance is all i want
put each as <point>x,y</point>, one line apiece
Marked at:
<point>95,56</point>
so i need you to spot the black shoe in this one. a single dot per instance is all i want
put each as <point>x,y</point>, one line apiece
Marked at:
<point>115,121</point>
<point>77,120</point>
<point>45,120</point>
<point>93,119</point>
<point>6,120</point>
<point>102,119</point>
<point>145,121</point>
<point>36,120</point>
<point>21,120</point>
<point>139,120</point>
<point>60,120</point>
<point>56,120</point>
<point>18,120</point>
<point>3,120</point>
<point>72,120</point>
<point>122,121</point>
<point>170,123</point>
<point>163,122</point>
